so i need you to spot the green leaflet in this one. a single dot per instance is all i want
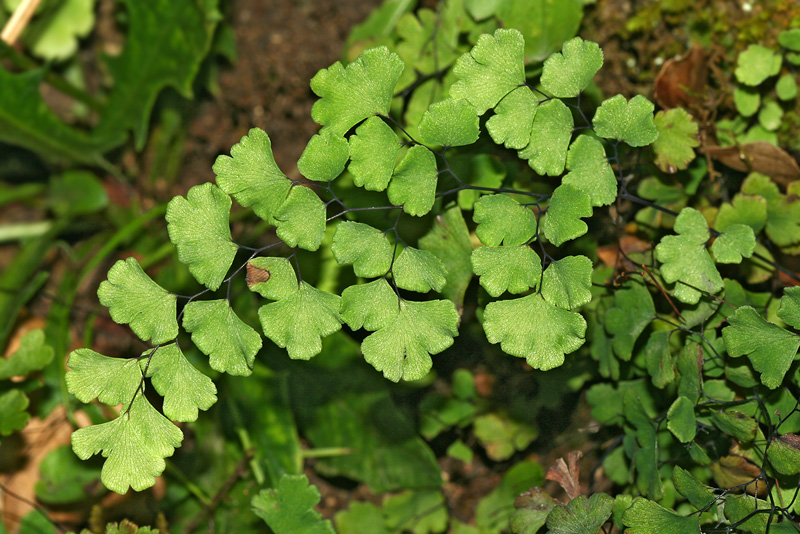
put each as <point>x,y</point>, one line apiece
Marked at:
<point>756,64</point>
<point>416,511</point>
<point>198,226</point>
<point>184,388</point>
<point>402,347</point>
<point>112,381</point>
<point>545,24</point>
<point>135,445</point>
<point>631,122</point>
<point>502,436</point>
<point>633,310</point>
<point>299,321</point>
<point>492,69</point>
<point>569,72</point>
<point>783,212</point>
<point>677,137</point>
<point>301,219</point>
<point>13,414</point>
<point>562,221</point>
<point>789,310</point>
<point>582,515</point>
<point>685,258</point>
<point>449,241</point>
<point>747,100</point>
<point>695,492</point>
<point>419,270</point>
<point>646,517</point>
<point>370,306</point>
<point>449,123</point>
<point>373,151</point>
<point>54,36</point>
<point>350,94</point>
<point>367,248</point>
<point>361,518</point>
<point>590,171</point>
<point>413,184</point>
<point>33,354</point>
<point>501,219</point>
<point>658,359</point>
<point>681,420</point>
<point>289,508</point>
<point>230,344</point>
<point>133,298</point>
<point>736,242</point>
<point>251,176</point>
<point>743,209</point>
<point>770,348</point>
<point>324,157</point>
<point>272,278</point>
<point>513,117</point>
<point>514,269</point>
<point>567,282</point>
<point>546,151</point>
<point>556,332</point>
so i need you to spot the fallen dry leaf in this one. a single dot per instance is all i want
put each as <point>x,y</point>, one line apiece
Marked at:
<point>758,156</point>
<point>682,81</point>
<point>566,474</point>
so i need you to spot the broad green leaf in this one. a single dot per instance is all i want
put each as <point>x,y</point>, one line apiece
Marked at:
<point>743,209</point>
<point>590,171</point>
<point>230,344</point>
<point>583,515</point>
<point>677,137</point>
<point>567,282</point>
<point>184,388</point>
<point>164,47</point>
<point>567,73</point>
<point>647,517</point>
<point>198,226</point>
<point>65,479</point>
<point>272,278</point>
<point>789,311</point>
<point>501,219</point>
<point>360,518</point>
<point>54,36</point>
<point>685,259</point>
<point>545,24</point>
<point>514,269</point>
<point>301,219</point>
<point>251,176</point>
<point>416,512</point>
<point>658,359</point>
<point>532,509</point>
<point>449,123</point>
<point>13,414</point>
<point>756,64</point>
<point>501,436</point>
<point>695,492</point>
<point>33,354</point>
<point>633,310</point>
<point>786,88</point>
<point>350,94</point>
<point>300,321</point>
<point>324,157</point>
<point>413,184</point>
<point>546,151</point>
<point>790,39</point>
<point>783,212</point>
<point>27,121</point>
<point>370,306</point>
<point>747,100</point>
<point>402,348</point>
<point>734,243</point>
<point>449,241</point>
<point>562,221</point>
<point>681,420</point>
<point>135,445</point>
<point>740,509</point>
<point>770,348</point>
<point>492,69</point>
<point>532,328</point>
<point>631,122</point>
<point>367,248</point>
<point>373,151</point>
<point>289,508</point>
<point>133,298</point>
<point>112,381</point>
<point>513,117</point>
<point>419,270</point>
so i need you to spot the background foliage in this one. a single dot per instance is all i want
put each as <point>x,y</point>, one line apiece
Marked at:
<point>646,303</point>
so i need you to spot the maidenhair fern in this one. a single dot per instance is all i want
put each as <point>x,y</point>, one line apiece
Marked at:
<point>410,292</point>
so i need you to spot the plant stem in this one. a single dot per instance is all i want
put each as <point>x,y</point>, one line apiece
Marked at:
<point>19,19</point>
